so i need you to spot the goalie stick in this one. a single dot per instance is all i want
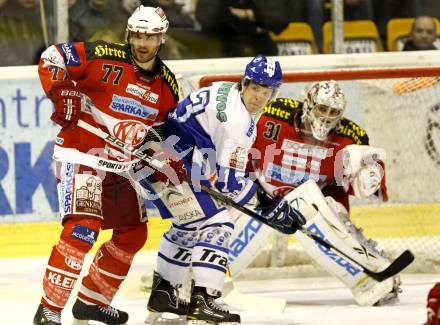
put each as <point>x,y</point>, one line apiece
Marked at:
<point>400,263</point>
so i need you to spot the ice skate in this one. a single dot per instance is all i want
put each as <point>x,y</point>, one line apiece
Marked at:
<point>204,310</point>
<point>45,316</point>
<point>83,312</point>
<point>164,305</point>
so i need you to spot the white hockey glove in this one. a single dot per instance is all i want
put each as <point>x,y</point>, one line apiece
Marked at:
<point>362,169</point>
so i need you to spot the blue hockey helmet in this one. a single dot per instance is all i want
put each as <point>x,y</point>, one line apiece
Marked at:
<point>264,71</point>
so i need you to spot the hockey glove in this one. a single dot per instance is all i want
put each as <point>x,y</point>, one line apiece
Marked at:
<point>282,217</point>
<point>173,172</point>
<point>67,101</point>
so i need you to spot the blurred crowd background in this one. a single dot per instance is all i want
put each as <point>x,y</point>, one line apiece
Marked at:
<point>226,28</point>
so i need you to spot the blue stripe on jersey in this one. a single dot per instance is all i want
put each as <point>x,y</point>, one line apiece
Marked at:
<point>237,183</point>
<point>209,266</point>
<point>227,224</point>
<point>252,190</point>
<point>172,261</point>
<point>196,221</point>
<point>217,248</point>
<point>184,228</point>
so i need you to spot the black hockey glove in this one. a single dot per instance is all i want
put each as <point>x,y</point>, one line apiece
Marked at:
<point>282,217</point>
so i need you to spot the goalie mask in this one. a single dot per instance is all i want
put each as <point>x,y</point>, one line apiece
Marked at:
<point>324,107</point>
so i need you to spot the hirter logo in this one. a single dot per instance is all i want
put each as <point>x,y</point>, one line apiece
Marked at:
<point>131,132</point>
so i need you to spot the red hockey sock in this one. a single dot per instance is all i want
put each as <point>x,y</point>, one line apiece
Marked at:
<point>66,260</point>
<point>111,265</point>
<point>434,305</point>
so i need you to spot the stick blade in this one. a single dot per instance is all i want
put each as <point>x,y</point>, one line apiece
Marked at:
<point>400,263</point>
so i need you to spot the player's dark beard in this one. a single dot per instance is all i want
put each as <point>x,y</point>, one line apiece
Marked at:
<point>151,57</point>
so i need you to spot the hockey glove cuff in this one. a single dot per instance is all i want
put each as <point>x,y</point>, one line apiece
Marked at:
<point>282,217</point>
<point>172,171</point>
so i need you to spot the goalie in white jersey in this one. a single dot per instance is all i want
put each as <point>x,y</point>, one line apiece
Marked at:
<point>215,128</point>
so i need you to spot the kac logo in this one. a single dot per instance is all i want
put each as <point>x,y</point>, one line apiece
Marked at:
<point>130,131</point>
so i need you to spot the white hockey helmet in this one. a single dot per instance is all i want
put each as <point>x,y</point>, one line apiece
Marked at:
<point>324,107</point>
<point>148,20</point>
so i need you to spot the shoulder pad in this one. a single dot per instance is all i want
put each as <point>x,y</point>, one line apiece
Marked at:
<point>104,50</point>
<point>351,130</point>
<point>283,109</point>
<point>170,79</point>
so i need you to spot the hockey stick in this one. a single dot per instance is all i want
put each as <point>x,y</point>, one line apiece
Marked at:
<point>158,165</point>
<point>400,263</point>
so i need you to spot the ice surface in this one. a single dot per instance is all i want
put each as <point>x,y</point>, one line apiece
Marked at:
<point>314,301</point>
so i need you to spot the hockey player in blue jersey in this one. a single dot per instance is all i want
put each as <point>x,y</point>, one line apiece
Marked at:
<point>215,127</point>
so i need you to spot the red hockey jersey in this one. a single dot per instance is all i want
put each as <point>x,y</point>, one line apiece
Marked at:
<point>289,157</point>
<point>119,98</point>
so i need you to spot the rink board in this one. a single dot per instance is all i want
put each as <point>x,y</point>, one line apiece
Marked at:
<point>36,239</point>
<point>421,220</point>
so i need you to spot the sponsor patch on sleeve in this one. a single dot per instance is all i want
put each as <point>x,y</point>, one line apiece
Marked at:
<point>238,158</point>
<point>70,55</point>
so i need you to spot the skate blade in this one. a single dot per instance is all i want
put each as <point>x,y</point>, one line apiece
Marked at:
<point>204,322</point>
<point>165,318</point>
<point>84,322</point>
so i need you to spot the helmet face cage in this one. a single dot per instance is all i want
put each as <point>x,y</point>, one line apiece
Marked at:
<point>148,20</point>
<point>324,107</point>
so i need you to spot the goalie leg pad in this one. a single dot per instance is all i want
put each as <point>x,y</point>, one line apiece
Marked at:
<point>331,222</point>
<point>248,240</point>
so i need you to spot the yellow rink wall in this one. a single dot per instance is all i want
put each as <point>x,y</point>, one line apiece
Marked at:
<point>409,220</point>
<point>398,221</point>
<point>412,220</point>
<point>36,239</point>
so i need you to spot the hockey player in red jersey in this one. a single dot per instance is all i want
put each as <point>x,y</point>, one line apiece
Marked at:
<point>308,136</point>
<point>123,90</point>
<point>311,140</point>
<point>434,305</point>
